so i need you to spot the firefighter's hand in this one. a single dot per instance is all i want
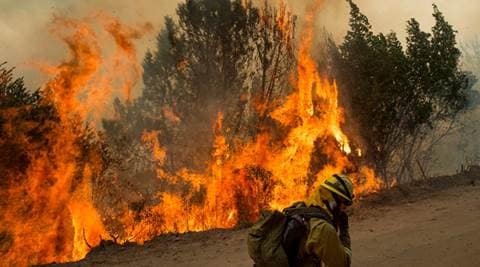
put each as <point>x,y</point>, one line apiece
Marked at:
<point>343,228</point>
<point>342,220</point>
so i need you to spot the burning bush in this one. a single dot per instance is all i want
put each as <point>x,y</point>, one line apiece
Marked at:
<point>45,174</point>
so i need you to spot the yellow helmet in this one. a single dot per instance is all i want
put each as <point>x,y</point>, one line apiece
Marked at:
<point>340,185</point>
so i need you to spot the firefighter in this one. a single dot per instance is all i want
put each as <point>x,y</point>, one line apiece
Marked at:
<point>326,243</point>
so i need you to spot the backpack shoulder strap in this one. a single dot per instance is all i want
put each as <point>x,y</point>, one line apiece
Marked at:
<point>308,212</point>
<point>296,230</point>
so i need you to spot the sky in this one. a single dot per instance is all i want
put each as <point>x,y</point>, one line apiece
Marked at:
<point>25,37</point>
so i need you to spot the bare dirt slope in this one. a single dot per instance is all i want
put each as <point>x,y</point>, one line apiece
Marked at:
<point>425,224</point>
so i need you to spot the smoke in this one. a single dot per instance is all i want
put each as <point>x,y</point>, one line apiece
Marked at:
<point>25,25</point>
<point>461,147</point>
<point>25,37</point>
<point>392,15</point>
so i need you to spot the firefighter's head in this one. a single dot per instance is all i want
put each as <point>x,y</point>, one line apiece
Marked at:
<point>341,188</point>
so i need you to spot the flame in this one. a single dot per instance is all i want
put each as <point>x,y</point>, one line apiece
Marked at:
<point>266,173</point>
<point>367,181</point>
<point>150,139</point>
<point>284,19</point>
<point>60,218</point>
<point>124,36</point>
<point>170,115</point>
<point>51,216</point>
<point>245,3</point>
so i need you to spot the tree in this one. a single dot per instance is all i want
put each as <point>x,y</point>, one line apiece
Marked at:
<point>397,97</point>
<point>219,56</point>
<point>24,124</point>
<point>36,145</point>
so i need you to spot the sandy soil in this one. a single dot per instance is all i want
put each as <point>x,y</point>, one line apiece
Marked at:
<point>424,224</point>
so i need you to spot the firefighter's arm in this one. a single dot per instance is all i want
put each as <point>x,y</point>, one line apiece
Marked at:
<point>343,227</point>
<point>323,242</point>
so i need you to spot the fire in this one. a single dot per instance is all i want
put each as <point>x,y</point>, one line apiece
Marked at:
<point>150,139</point>
<point>284,19</point>
<point>124,36</point>
<point>170,115</point>
<point>367,181</point>
<point>52,216</point>
<point>267,174</point>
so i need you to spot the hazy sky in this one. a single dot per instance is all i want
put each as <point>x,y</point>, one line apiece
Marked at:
<point>24,35</point>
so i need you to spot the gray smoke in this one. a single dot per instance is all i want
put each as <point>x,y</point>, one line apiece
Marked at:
<point>25,37</point>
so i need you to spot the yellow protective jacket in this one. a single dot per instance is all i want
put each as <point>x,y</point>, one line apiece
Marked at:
<point>323,244</point>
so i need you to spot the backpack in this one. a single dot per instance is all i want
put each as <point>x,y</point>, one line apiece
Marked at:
<point>275,239</point>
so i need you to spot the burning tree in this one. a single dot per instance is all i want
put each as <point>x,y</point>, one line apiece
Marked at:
<point>224,56</point>
<point>221,56</point>
<point>46,166</point>
<point>54,155</point>
<point>202,87</point>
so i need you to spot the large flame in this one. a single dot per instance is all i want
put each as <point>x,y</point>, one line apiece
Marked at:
<point>51,215</point>
<point>267,173</point>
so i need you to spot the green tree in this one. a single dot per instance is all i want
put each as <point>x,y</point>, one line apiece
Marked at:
<point>397,97</point>
<point>449,81</point>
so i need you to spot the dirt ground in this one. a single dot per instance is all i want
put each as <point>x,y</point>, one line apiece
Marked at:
<point>433,223</point>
